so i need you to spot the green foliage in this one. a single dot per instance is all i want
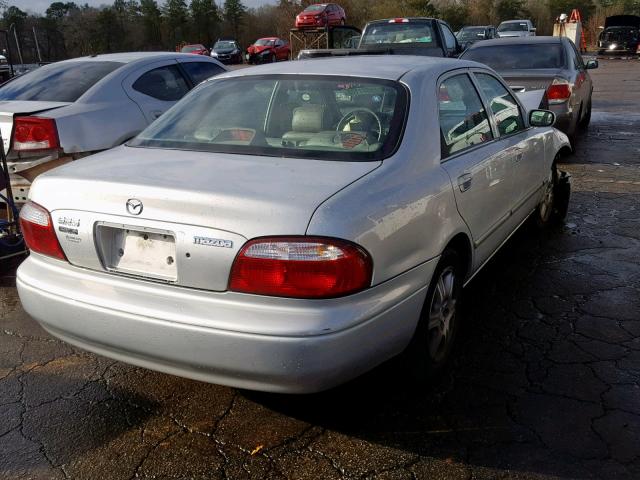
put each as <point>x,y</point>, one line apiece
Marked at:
<point>510,9</point>
<point>586,7</point>
<point>234,12</point>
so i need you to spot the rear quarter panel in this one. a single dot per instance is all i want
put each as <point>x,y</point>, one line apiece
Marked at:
<point>404,212</point>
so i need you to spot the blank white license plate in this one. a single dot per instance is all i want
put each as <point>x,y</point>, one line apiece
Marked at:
<point>139,252</point>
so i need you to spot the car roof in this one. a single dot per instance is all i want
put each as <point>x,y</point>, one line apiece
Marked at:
<point>516,41</point>
<point>516,20</point>
<point>411,19</point>
<point>477,26</point>
<point>129,57</point>
<point>393,67</point>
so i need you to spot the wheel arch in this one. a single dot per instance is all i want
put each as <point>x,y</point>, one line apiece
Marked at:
<point>462,245</point>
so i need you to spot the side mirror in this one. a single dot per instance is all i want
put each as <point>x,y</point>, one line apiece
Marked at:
<point>591,64</point>
<point>541,118</point>
<point>533,29</point>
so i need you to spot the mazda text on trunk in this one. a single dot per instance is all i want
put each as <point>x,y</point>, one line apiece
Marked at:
<point>288,232</point>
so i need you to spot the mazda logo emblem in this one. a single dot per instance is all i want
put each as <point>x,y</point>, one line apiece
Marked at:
<point>134,206</point>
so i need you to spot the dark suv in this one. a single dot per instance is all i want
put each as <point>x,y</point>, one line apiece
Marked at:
<point>621,34</point>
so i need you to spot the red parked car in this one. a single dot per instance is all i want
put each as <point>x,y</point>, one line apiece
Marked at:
<point>196,49</point>
<point>267,50</point>
<point>321,15</point>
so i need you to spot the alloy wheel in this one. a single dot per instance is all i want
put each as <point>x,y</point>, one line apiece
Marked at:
<point>442,313</point>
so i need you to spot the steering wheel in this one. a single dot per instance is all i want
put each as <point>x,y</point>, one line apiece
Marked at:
<point>344,121</point>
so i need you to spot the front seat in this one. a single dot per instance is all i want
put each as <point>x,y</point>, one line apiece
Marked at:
<point>307,120</point>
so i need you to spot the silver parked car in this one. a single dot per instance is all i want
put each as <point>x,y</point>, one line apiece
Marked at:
<point>516,28</point>
<point>288,231</point>
<point>67,110</point>
<point>549,63</point>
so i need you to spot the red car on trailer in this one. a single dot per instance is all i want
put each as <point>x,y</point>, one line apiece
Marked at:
<point>321,15</point>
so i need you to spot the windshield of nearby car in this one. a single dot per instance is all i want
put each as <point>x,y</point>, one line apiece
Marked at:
<point>398,33</point>
<point>264,41</point>
<point>58,82</point>
<point>513,27</point>
<point>518,56</point>
<point>467,34</point>
<point>191,48</point>
<point>315,8</point>
<point>225,45</point>
<point>329,118</point>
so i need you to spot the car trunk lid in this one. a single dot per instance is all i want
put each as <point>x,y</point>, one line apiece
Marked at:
<point>181,217</point>
<point>526,80</point>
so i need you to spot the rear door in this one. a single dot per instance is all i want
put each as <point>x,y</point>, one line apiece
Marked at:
<point>480,171</point>
<point>156,87</point>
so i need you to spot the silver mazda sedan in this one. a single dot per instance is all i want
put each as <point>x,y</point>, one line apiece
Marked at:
<point>289,227</point>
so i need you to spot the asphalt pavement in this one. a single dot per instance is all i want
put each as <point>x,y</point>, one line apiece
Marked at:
<point>545,382</point>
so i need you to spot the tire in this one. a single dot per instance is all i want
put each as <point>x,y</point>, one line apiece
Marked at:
<point>274,59</point>
<point>430,349</point>
<point>584,123</point>
<point>342,22</point>
<point>554,205</point>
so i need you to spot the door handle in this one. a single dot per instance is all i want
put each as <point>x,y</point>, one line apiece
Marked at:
<point>464,182</point>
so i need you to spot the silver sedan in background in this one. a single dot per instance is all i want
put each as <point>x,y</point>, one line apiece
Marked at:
<point>549,63</point>
<point>288,231</point>
<point>67,110</point>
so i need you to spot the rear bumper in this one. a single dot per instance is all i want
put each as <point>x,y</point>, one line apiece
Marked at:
<point>245,341</point>
<point>564,117</point>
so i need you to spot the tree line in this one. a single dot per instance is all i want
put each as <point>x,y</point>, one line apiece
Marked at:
<point>70,29</point>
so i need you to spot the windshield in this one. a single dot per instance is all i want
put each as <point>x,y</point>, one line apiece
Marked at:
<point>58,82</point>
<point>518,56</point>
<point>471,34</point>
<point>398,33</point>
<point>225,45</point>
<point>264,41</point>
<point>513,27</point>
<point>314,8</point>
<point>191,48</point>
<point>329,118</point>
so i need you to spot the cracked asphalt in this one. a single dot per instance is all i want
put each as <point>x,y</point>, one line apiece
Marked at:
<point>545,383</point>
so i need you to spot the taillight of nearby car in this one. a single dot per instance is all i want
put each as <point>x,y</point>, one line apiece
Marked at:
<point>559,91</point>
<point>35,134</point>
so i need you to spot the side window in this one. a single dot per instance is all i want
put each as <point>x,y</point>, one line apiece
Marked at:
<point>577,61</point>
<point>200,71</point>
<point>449,37</point>
<point>164,83</point>
<point>503,106</point>
<point>463,120</point>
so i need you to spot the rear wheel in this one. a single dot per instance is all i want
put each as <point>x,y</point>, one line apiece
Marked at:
<point>432,344</point>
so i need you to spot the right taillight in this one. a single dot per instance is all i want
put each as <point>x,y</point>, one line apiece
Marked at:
<point>34,133</point>
<point>301,267</point>
<point>38,231</point>
<point>559,91</point>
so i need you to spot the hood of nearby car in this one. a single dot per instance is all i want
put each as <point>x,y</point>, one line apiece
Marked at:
<point>259,48</point>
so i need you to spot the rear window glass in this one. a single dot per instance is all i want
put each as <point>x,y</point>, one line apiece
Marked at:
<point>58,82</point>
<point>331,118</point>
<point>514,27</point>
<point>518,57</point>
<point>398,33</point>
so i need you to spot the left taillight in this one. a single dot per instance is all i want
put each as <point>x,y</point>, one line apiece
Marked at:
<point>35,133</point>
<point>38,231</point>
<point>559,91</point>
<point>301,267</point>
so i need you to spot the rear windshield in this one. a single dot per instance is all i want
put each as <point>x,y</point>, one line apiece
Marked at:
<point>399,33</point>
<point>191,48</point>
<point>513,27</point>
<point>329,118</point>
<point>58,82</point>
<point>518,56</point>
<point>471,34</point>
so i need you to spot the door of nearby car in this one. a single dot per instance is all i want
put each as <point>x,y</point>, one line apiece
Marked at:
<point>582,85</point>
<point>450,41</point>
<point>282,50</point>
<point>522,146</point>
<point>481,172</point>
<point>156,87</point>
